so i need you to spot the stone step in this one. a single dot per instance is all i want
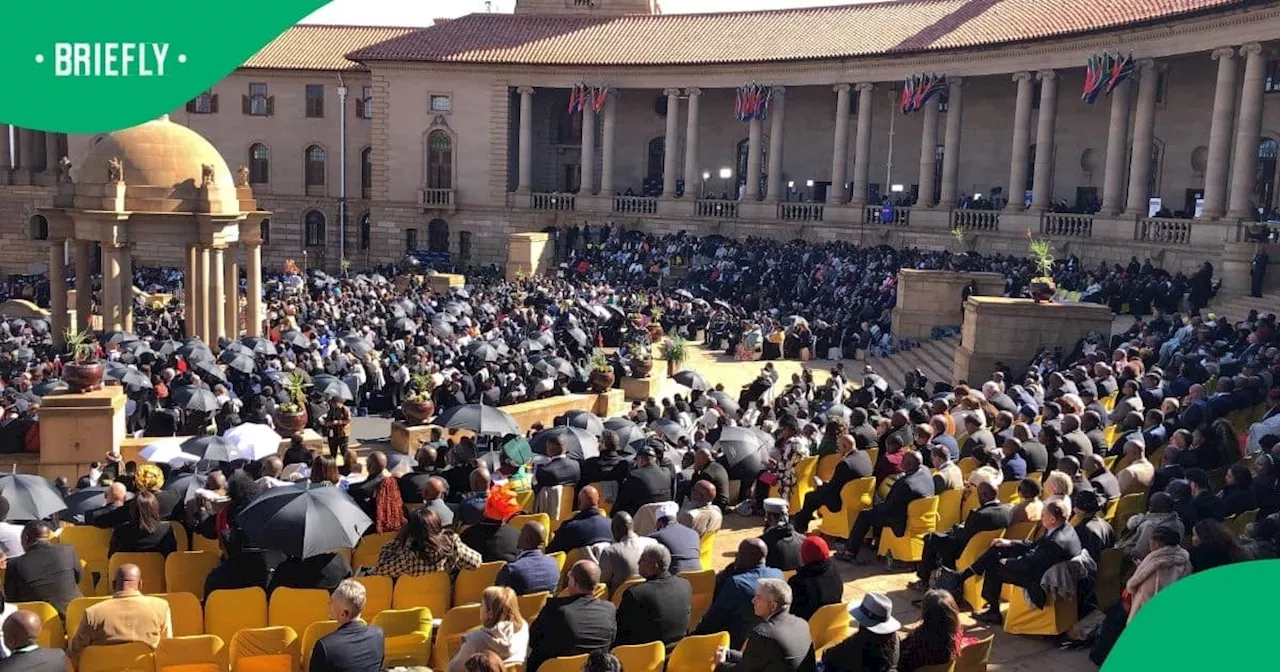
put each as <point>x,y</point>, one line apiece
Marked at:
<point>933,358</point>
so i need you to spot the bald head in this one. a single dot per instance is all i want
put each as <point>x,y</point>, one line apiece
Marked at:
<point>117,493</point>
<point>704,491</point>
<point>751,552</point>
<point>22,628</point>
<point>376,462</point>
<point>479,480</point>
<point>532,536</point>
<point>588,498</point>
<point>583,577</point>
<point>127,578</point>
<point>434,489</point>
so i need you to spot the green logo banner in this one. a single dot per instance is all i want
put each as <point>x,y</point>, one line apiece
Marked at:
<point>88,66</point>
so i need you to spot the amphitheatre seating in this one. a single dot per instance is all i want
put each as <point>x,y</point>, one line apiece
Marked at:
<point>922,518</point>
<point>854,497</point>
<point>1022,617</point>
<point>976,546</point>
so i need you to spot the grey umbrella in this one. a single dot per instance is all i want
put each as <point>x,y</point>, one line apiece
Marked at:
<point>194,398</point>
<point>295,338</point>
<point>331,386</point>
<point>578,444</point>
<point>480,419</point>
<point>585,420</point>
<point>210,448</point>
<point>128,376</point>
<point>617,424</point>
<point>235,359</point>
<point>260,346</point>
<point>727,403</point>
<point>30,497</point>
<point>117,337</point>
<point>186,485</point>
<point>669,429</point>
<point>483,351</point>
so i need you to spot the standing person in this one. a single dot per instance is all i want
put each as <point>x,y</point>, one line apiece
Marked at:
<point>1257,271</point>
<point>354,646</point>
<point>338,422</point>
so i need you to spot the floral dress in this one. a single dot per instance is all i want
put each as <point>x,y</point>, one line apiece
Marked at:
<point>793,451</point>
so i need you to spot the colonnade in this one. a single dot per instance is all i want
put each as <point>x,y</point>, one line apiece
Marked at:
<point>36,152</point>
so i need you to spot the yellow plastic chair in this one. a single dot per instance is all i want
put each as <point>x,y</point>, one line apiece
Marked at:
<point>568,495</point>
<point>977,545</point>
<point>1023,618</point>
<point>199,542</point>
<point>525,500</point>
<point>854,497</point>
<point>706,549</point>
<point>197,653</point>
<point>1111,580</point>
<point>181,535</point>
<point>968,502</point>
<point>922,518</point>
<point>805,471</point>
<point>1109,402</point>
<point>873,454</point>
<point>128,657</point>
<point>574,555</point>
<point>151,564</point>
<point>827,466</point>
<point>185,572</point>
<point>407,635</point>
<point>973,658</point>
<point>1021,531</point>
<point>560,560</point>
<point>1007,493</point>
<point>518,522</point>
<point>52,635</point>
<point>424,590</point>
<point>565,664</point>
<point>626,585</point>
<point>1110,434</point>
<point>273,649</point>
<point>703,584</point>
<point>829,625</point>
<point>378,590</point>
<point>641,657</point>
<point>228,611</point>
<point>531,605</point>
<point>967,466</point>
<point>366,553</point>
<point>297,608</point>
<point>456,622</point>
<point>606,505</point>
<point>186,614</point>
<point>1240,522</point>
<point>941,667</point>
<point>76,609</point>
<point>697,653</point>
<point>949,509</point>
<point>1130,505</point>
<point>311,635</point>
<point>91,544</point>
<point>472,582</point>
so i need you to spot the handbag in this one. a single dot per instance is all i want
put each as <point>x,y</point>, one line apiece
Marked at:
<point>769,478</point>
<point>945,578</point>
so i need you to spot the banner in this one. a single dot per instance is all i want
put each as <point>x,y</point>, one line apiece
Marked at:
<point>582,96</point>
<point>1103,73</point>
<point>752,102</point>
<point>918,89</point>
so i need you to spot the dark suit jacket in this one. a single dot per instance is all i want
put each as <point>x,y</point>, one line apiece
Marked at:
<point>365,492</point>
<point>1098,440</point>
<point>1076,444</point>
<point>864,436</point>
<point>1014,467</point>
<point>855,465</point>
<point>719,477</point>
<point>37,660</point>
<point>655,611</point>
<point>44,573</point>
<point>531,572</point>
<point>990,516</point>
<point>587,527</point>
<point>685,546</point>
<point>1003,402</point>
<point>130,538</point>
<point>353,647</point>
<point>1036,455</point>
<point>493,541</point>
<point>783,543</point>
<point>1096,535</point>
<point>560,471</point>
<point>107,517</point>
<point>645,485</point>
<point>570,626</point>
<point>981,439</point>
<point>731,609</point>
<point>909,488</point>
<point>1105,482</point>
<point>814,586</point>
<point>1047,551</point>
<point>780,644</point>
<point>604,468</point>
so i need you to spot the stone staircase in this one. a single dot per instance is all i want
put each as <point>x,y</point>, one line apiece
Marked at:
<point>935,358</point>
<point>1237,307</point>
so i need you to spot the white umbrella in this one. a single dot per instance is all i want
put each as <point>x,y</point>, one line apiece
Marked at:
<point>167,450</point>
<point>254,441</point>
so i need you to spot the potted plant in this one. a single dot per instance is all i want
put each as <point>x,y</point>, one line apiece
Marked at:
<point>641,360</point>
<point>291,416</point>
<point>601,378</point>
<point>656,332</point>
<point>344,264</point>
<point>84,372</point>
<point>675,351</point>
<point>1042,286</point>
<point>418,406</point>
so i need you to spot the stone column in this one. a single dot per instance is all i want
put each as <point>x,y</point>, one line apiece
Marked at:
<point>84,285</point>
<point>1021,137</point>
<point>6,166</point>
<point>1042,180</point>
<point>202,295</point>
<point>606,144</point>
<point>231,288</point>
<point>526,140</point>
<point>111,308</point>
<point>26,156</point>
<point>777,111</point>
<point>1224,109</point>
<point>253,315</point>
<point>1248,134</point>
<point>1143,133</point>
<point>862,145</point>
<point>58,323</point>
<point>928,153</point>
<point>692,178</point>
<point>190,298</point>
<point>840,145</point>
<point>217,295</point>
<point>126,287</point>
<point>951,144</point>
<point>588,181</point>
<point>671,144</point>
<point>752,192</point>
<point>51,157</point>
<point>1117,151</point>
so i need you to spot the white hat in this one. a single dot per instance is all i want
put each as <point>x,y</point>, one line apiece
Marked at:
<point>668,510</point>
<point>875,614</point>
<point>775,505</point>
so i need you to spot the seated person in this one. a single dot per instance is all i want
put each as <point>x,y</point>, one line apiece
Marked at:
<point>532,571</point>
<point>942,549</point>
<point>586,528</point>
<point>129,616</point>
<point>354,646</point>
<point>915,483</point>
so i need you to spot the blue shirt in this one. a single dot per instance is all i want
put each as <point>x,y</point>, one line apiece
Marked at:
<point>531,572</point>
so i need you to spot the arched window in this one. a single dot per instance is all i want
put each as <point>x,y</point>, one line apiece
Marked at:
<point>313,223</point>
<point>264,230</point>
<point>366,172</point>
<point>1264,185</point>
<point>438,236</point>
<point>38,228</point>
<point>259,164</point>
<point>657,157</point>
<point>439,160</point>
<point>315,160</point>
<point>364,231</point>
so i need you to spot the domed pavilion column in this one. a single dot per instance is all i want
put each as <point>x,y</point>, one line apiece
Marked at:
<point>202,294</point>
<point>84,285</point>
<point>58,321</point>
<point>231,288</point>
<point>126,287</point>
<point>253,316</point>
<point>217,296</point>
<point>111,308</point>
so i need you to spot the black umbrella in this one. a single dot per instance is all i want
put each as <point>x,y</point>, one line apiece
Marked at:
<point>260,346</point>
<point>128,376</point>
<point>209,370</point>
<point>186,485</point>
<point>117,337</point>
<point>397,461</point>
<point>30,497</point>
<point>483,351</point>
<point>166,348</point>
<point>479,419</point>
<point>195,349</point>
<point>631,436</point>
<point>194,398</point>
<point>303,520</point>
<point>235,347</point>
<point>295,338</point>
<point>554,366</point>
<point>578,443</point>
<point>740,444</point>
<point>528,345</point>
<point>331,386</point>
<point>618,424</point>
<point>210,448</point>
<point>669,429</point>
<point>585,420</point>
<point>691,380</point>
<point>136,347</point>
<point>442,327</point>
<point>360,346</point>
<point>237,360</point>
<point>727,403</point>
<point>47,387</point>
<point>83,501</point>
<point>403,325</point>
<point>578,335</point>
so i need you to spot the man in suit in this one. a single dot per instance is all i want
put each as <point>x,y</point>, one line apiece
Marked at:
<point>854,465</point>
<point>731,609</point>
<point>1033,452</point>
<point>354,646</point>
<point>586,528</point>
<point>1074,442</point>
<point>129,616</point>
<point>620,560</point>
<point>649,482</point>
<point>492,537</point>
<point>559,470</point>
<point>1014,465</point>
<point>657,610</point>
<point>575,624</point>
<point>1101,478</point>
<point>532,571</point>
<point>684,544</point>
<point>980,438</point>
<point>949,476</point>
<point>782,540</point>
<point>780,643</point>
<point>114,512</point>
<point>699,512</point>
<point>432,497</point>
<point>1023,563</point>
<point>45,573</point>
<point>471,509</point>
<point>942,549</point>
<point>21,637</point>
<point>991,390</point>
<point>705,468</point>
<point>864,435</point>
<point>915,483</point>
<point>610,465</point>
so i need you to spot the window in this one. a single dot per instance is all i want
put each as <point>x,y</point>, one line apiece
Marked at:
<point>259,164</point>
<point>1036,87</point>
<point>265,231</point>
<point>410,240</point>
<point>439,160</point>
<point>438,235</point>
<point>1153,171</point>
<point>315,101</point>
<point>1264,186</point>
<point>441,103</point>
<point>364,104</point>
<point>1031,172</point>
<point>364,231</point>
<point>313,224</point>
<point>1272,83</point>
<point>568,127</point>
<point>315,166</point>
<point>657,157</point>
<point>38,228</point>
<point>660,105</point>
<point>205,103</point>
<point>944,100</point>
<point>257,103</point>
<point>464,244</point>
<point>366,172</point>
<point>1162,86</point>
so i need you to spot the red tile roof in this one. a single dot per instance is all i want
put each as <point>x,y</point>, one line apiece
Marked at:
<point>781,35</point>
<point>320,47</point>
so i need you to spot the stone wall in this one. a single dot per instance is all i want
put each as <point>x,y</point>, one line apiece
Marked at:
<point>928,299</point>
<point>1008,331</point>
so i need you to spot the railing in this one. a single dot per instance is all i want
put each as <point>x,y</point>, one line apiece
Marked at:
<point>715,207</point>
<point>640,205</point>
<point>975,220</point>
<point>874,214</point>
<point>1066,224</point>
<point>1164,230</point>
<point>435,198</point>
<point>552,201</point>
<point>800,212</point>
<point>1257,232</point>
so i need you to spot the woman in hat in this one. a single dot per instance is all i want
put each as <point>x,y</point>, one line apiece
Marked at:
<point>816,583</point>
<point>939,638</point>
<point>874,647</point>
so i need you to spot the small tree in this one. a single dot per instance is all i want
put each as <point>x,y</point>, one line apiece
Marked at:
<point>1041,251</point>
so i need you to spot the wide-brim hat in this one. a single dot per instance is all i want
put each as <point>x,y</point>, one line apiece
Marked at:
<point>875,614</point>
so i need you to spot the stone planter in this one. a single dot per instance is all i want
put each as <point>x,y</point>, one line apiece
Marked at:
<point>600,381</point>
<point>288,424</point>
<point>640,368</point>
<point>417,412</point>
<point>83,377</point>
<point>1042,289</point>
